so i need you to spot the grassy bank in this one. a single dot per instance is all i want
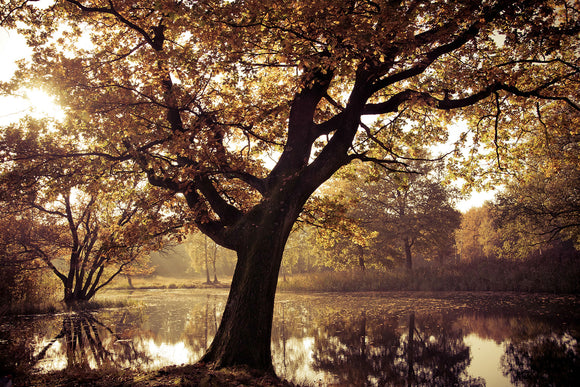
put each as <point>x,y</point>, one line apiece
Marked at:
<point>160,282</point>
<point>50,302</point>
<point>477,276</point>
<point>53,307</point>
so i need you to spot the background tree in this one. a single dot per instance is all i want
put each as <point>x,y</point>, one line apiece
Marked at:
<point>88,240</point>
<point>204,254</point>
<point>415,213</point>
<point>299,253</point>
<point>540,206</point>
<point>198,94</point>
<point>398,216</point>
<point>84,227</point>
<point>477,237</point>
<point>343,234</point>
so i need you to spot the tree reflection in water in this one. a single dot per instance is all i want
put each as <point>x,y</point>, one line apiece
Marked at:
<point>545,360</point>
<point>202,324</point>
<point>417,352</point>
<point>90,344</point>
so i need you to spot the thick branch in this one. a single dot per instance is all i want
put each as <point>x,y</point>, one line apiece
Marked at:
<point>227,213</point>
<point>396,100</point>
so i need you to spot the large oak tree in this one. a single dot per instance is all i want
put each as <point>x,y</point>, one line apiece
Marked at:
<point>201,95</point>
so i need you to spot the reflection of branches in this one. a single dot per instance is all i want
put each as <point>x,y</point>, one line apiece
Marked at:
<point>543,361</point>
<point>359,351</point>
<point>356,352</point>
<point>91,344</point>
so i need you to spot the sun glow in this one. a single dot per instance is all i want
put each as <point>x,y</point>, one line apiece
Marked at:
<point>41,105</point>
<point>32,102</point>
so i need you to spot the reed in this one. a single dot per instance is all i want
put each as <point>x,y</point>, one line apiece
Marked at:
<point>473,276</point>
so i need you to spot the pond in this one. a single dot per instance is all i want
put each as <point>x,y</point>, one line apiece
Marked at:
<point>356,339</point>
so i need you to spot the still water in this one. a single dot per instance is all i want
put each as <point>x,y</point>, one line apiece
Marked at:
<point>355,339</point>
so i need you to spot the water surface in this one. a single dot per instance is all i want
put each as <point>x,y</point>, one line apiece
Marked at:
<point>358,339</point>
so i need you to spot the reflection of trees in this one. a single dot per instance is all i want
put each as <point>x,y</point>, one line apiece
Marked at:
<point>202,324</point>
<point>311,341</point>
<point>362,352</point>
<point>16,351</point>
<point>546,360</point>
<point>440,357</point>
<point>291,340</point>
<point>355,353</point>
<point>88,344</point>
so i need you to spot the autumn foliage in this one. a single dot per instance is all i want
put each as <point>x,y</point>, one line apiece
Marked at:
<point>196,97</point>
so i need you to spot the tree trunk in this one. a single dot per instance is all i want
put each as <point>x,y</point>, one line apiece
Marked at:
<point>408,255</point>
<point>130,281</point>
<point>244,335</point>
<point>207,281</point>
<point>73,296</point>
<point>361,258</point>
<point>214,259</point>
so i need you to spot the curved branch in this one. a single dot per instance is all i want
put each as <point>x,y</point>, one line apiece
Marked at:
<point>227,213</point>
<point>428,58</point>
<point>396,100</point>
<point>156,42</point>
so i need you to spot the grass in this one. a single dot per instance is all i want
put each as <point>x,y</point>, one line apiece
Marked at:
<point>476,276</point>
<point>159,282</point>
<point>60,307</point>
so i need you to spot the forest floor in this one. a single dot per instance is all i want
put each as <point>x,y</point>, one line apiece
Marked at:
<point>189,375</point>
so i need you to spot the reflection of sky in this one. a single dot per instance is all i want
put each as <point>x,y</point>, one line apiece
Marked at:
<point>294,361</point>
<point>166,354</point>
<point>55,358</point>
<point>158,355</point>
<point>485,360</point>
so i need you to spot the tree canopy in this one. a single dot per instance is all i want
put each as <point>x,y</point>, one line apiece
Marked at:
<point>199,96</point>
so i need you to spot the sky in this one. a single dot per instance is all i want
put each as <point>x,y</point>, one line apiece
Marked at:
<point>35,102</point>
<point>12,48</point>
